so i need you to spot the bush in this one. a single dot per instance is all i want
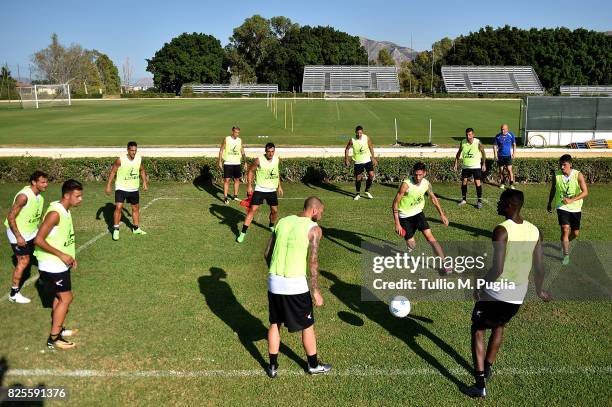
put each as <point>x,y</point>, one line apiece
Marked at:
<point>309,170</point>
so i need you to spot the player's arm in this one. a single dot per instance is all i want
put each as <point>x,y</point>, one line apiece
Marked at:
<point>436,203</point>
<point>145,181</point>
<point>244,157</point>
<point>538,263</point>
<point>500,240</point>
<point>455,166</point>
<point>270,249</point>
<point>314,238</point>
<point>584,190</point>
<point>111,176</point>
<point>251,175</point>
<point>483,158</point>
<point>553,191</point>
<point>18,205</point>
<point>346,152</point>
<point>221,149</point>
<point>371,147</point>
<point>50,221</point>
<point>495,148</point>
<point>395,206</point>
<point>280,187</point>
<point>513,146</point>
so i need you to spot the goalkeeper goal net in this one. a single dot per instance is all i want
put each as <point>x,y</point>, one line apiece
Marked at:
<point>334,94</point>
<point>37,96</point>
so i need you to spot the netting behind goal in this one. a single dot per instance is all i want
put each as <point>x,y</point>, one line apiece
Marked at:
<point>37,96</point>
<point>330,94</point>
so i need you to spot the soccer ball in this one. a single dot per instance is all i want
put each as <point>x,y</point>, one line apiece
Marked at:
<point>399,306</point>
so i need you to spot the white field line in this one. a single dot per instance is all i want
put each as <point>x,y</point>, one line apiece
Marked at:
<point>85,245</point>
<point>354,371</point>
<point>337,111</point>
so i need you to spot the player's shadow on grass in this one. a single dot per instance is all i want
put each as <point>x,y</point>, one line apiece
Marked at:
<point>4,367</point>
<point>205,182</point>
<point>328,187</point>
<point>223,303</point>
<point>347,238</point>
<point>108,211</point>
<point>407,329</point>
<point>474,231</point>
<point>230,217</point>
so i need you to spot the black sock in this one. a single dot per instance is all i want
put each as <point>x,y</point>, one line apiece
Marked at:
<point>479,192</point>
<point>14,291</point>
<point>368,184</point>
<point>312,361</point>
<point>244,228</point>
<point>487,367</point>
<point>135,227</point>
<point>357,186</point>
<point>479,376</point>
<point>511,182</point>
<point>274,360</point>
<point>464,191</point>
<point>271,224</point>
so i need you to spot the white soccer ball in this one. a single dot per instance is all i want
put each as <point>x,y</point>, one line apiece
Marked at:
<point>399,306</point>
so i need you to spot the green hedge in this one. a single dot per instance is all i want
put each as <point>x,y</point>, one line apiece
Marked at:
<point>311,170</point>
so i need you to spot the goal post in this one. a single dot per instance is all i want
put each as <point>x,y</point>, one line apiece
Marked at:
<point>37,96</point>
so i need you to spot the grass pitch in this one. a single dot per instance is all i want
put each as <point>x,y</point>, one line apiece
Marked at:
<point>180,316</point>
<point>206,122</point>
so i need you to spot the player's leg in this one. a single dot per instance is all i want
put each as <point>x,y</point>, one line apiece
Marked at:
<point>226,182</point>
<point>370,172</point>
<point>247,221</point>
<point>464,187</point>
<point>273,349</point>
<point>358,180</point>
<point>501,175</point>
<point>236,188</point>
<point>435,245</point>
<point>23,261</point>
<point>478,184</point>
<point>273,216</point>
<point>510,175</point>
<point>119,199</point>
<point>565,233</point>
<point>136,215</point>
<point>495,342</point>
<point>477,332</point>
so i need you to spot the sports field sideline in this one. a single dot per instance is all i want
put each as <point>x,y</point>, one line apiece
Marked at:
<point>205,122</point>
<point>181,314</point>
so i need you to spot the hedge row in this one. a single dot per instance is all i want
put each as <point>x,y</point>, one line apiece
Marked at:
<point>310,170</point>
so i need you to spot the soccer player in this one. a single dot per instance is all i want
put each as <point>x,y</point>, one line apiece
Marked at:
<point>230,155</point>
<point>363,158</point>
<point>293,250</point>
<point>408,210</point>
<point>21,228</point>
<point>517,246</point>
<point>55,252</point>
<point>568,189</point>
<point>473,164</point>
<point>129,169</point>
<point>504,149</point>
<point>265,170</point>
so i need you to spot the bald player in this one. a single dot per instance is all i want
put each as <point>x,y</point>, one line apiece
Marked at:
<point>292,252</point>
<point>504,149</point>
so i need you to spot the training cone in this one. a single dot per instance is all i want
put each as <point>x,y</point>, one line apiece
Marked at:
<point>247,202</point>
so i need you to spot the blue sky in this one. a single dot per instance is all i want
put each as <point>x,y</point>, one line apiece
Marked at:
<point>136,29</point>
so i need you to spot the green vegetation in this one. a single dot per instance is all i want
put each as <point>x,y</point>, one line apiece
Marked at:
<point>155,304</point>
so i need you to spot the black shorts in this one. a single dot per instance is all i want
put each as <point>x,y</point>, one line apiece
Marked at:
<point>359,168</point>
<point>259,197</point>
<point>414,223</point>
<point>504,160</point>
<point>491,314</point>
<point>56,282</point>
<point>26,250</point>
<point>232,171</point>
<point>471,172</point>
<point>133,198</point>
<point>569,218</point>
<point>295,311</point>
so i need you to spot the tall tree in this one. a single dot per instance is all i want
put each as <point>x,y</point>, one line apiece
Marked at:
<point>187,58</point>
<point>109,74</point>
<point>385,58</point>
<point>7,84</point>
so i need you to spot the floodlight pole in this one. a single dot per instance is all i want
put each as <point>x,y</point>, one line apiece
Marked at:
<point>395,131</point>
<point>36,96</point>
<point>68,91</point>
<point>430,130</point>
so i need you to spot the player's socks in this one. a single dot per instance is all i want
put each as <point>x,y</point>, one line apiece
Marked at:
<point>358,187</point>
<point>313,361</point>
<point>271,226</point>
<point>488,372</point>
<point>479,192</point>
<point>274,359</point>
<point>272,369</point>
<point>464,192</point>
<point>14,291</point>
<point>225,200</point>
<point>244,228</point>
<point>479,376</point>
<point>368,184</point>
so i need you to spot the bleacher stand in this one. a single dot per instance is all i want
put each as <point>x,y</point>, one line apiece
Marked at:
<point>586,90</point>
<point>350,78</point>
<point>491,79</point>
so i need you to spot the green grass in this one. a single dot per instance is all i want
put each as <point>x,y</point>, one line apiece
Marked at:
<point>150,303</point>
<point>206,122</point>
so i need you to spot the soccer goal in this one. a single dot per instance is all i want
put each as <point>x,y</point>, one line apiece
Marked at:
<point>37,96</point>
<point>334,94</point>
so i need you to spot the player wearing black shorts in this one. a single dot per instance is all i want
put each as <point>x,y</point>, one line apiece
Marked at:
<point>265,170</point>
<point>568,190</point>
<point>129,170</point>
<point>517,246</point>
<point>291,252</point>
<point>21,228</point>
<point>363,159</point>
<point>230,155</point>
<point>473,158</point>
<point>408,210</point>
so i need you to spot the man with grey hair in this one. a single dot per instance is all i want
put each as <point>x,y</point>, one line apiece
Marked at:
<point>504,150</point>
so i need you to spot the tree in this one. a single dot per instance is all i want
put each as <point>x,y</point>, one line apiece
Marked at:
<point>385,58</point>
<point>128,72</point>
<point>8,88</point>
<point>187,58</point>
<point>109,74</point>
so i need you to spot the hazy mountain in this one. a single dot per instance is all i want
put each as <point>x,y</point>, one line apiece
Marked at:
<point>398,52</point>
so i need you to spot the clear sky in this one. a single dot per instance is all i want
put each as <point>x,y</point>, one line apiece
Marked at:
<point>136,29</point>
